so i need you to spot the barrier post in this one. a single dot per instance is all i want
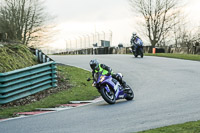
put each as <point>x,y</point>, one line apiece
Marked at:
<point>154,50</point>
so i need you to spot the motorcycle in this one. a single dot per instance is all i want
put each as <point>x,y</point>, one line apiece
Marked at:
<point>110,89</point>
<point>137,51</point>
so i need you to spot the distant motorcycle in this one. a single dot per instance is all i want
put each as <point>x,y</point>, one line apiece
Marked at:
<point>137,50</point>
<point>110,89</point>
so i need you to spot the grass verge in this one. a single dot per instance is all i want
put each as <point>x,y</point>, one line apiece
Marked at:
<point>80,90</point>
<point>189,127</point>
<point>177,56</point>
<point>14,57</point>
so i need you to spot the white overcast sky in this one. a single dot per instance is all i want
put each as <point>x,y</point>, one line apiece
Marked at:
<point>80,17</point>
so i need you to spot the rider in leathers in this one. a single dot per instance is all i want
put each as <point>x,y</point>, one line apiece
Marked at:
<point>135,42</point>
<point>96,67</point>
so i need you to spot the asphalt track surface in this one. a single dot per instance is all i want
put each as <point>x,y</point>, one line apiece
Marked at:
<point>167,91</point>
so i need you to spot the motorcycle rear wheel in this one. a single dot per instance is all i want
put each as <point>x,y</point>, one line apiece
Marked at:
<point>130,94</point>
<point>108,97</point>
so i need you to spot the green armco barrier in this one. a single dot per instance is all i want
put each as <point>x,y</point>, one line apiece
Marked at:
<point>27,81</point>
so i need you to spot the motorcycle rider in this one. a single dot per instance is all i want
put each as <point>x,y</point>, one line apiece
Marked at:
<point>97,67</point>
<point>135,42</point>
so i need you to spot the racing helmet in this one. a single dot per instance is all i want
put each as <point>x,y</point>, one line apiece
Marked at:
<point>94,64</point>
<point>134,34</point>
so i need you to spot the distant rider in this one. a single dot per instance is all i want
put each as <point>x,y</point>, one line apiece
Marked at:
<point>96,67</point>
<point>135,42</point>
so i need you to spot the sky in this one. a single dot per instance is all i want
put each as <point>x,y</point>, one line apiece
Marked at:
<point>76,19</point>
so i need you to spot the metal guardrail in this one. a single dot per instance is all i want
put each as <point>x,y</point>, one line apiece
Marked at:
<point>27,81</point>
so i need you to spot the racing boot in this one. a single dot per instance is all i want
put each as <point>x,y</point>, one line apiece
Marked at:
<point>126,89</point>
<point>124,86</point>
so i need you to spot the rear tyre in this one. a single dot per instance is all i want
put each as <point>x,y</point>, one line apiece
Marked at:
<point>108,97</point>
<point>130,94</point>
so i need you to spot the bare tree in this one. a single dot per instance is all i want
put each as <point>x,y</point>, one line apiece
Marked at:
<point>179,28</point>
<point>158,17</point>
<point>22,20</point>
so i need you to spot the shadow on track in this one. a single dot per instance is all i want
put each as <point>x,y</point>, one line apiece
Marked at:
<point>119,102</point>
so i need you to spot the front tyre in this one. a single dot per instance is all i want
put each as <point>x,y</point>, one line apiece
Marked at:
<point>141,53</point>
<point>136,56</point>
<point>109,97</point>
<point>129,94</point>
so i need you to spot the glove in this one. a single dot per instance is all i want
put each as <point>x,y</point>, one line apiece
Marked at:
<point>94,84</point>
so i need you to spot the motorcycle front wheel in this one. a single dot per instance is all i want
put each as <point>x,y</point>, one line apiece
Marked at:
<point>136,56</point>
<point>130,94</point>
<point>109,97</point>
<point>141,53</point>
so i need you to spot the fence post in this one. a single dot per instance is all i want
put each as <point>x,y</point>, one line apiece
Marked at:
<point>43,58</point>
<point>48,59</point>
<point>36,53</point>
<point>40,56</point>
<point>53,74</point>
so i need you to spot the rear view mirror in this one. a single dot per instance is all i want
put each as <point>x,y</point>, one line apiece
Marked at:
<point>88,79</point>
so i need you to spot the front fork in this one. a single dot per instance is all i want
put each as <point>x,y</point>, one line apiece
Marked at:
<point>107,88</point>
<point>102,87</point>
